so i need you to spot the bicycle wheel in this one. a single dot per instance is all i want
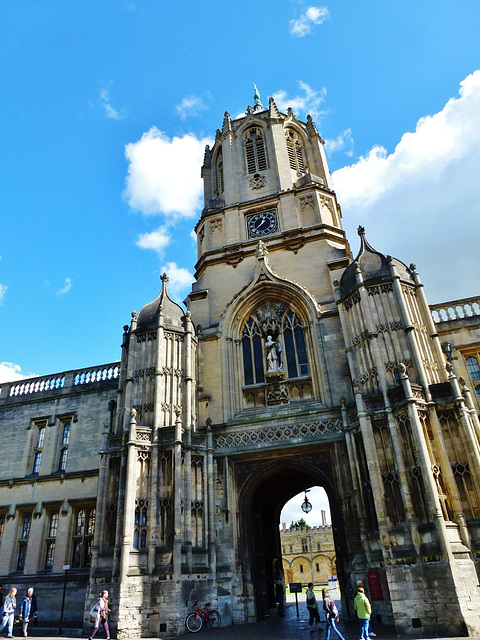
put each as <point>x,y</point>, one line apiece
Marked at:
<point>193,622</point>
<point>214,619</point>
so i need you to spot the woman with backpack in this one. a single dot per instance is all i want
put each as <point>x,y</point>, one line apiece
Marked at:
<point>101,611</point>
<point>331,614</point>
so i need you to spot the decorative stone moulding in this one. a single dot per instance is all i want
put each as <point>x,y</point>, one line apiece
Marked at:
<point>257,182</point>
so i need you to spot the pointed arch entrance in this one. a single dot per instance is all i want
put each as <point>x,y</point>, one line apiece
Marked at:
<point>269,484</point>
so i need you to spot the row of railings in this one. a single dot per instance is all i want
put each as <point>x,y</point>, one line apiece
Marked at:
<point>68,379</point>
<point>455,309</point>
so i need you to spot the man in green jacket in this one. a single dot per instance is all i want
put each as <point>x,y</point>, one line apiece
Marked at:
<point>364,609</point>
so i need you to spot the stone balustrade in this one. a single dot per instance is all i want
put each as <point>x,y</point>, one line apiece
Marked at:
<point>59,382</point>
<point>456,309</point>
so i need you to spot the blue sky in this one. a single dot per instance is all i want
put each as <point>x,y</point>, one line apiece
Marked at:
<point>105,108</point>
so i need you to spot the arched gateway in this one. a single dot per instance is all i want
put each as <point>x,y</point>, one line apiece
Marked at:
<point>269,484</point>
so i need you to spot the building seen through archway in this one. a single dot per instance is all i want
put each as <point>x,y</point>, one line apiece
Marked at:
<point>307,540</point>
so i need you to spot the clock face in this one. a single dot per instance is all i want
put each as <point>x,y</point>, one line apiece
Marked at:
<point>262,224</point>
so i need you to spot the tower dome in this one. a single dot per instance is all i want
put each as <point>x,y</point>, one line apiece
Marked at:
<point>374,267</point>
<point>172,312</point>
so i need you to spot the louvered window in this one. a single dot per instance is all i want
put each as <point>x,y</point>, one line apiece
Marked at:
<point>221,182</point>
<point>255,151</point>
<point>295,151</point>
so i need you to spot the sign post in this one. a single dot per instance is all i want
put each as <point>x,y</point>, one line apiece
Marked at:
<point>296,588</point>
<point>66,567</point>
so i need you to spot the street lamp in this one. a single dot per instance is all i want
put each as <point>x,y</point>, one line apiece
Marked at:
<point>306,504</point>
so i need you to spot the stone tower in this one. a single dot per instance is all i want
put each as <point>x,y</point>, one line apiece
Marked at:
<point>294,366</point>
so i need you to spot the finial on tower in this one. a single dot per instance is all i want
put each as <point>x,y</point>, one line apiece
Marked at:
<point>361,230</point>
<point>257,105</point>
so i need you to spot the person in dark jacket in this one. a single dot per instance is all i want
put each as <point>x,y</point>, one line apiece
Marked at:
<point>26,611</point>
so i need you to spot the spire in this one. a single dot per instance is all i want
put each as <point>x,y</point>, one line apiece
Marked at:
<point>207,158</point>
<point>227,123</point>
<point>273,111</point>
<point>257,105</point>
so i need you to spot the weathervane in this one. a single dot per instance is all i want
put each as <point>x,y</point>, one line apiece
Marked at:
<point>306,504</point>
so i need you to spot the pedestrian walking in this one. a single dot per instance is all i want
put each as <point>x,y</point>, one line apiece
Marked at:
<point>312,607</point>
<point>370,632</point>
<point>331,614</point>
<point>26,611</point>
<point>101,610</point>
<point>364,609</point>
<point>9,606</point>
<point>279,597</point>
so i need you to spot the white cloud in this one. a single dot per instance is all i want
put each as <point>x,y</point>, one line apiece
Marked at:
<point>303,25</point>
<point>110,112</point>
<point>193,236</point>
<point>3,291</point>
<point>302,105</point>
<point>179,280</point>
<point>343,142</point>
<point>191,106</point>
<point>157,240</point>
<point>164,174</point>
<point>66,287</point>
<point>421,203</point>
<point>292,510</point>
<point>10,372</point>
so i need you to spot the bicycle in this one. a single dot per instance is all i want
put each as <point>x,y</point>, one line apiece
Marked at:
<point>195,621</point>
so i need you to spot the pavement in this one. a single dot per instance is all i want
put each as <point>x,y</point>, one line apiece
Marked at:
<point>289,627</point>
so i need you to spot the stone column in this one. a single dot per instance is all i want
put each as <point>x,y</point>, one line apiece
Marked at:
<point>129,502</point>
<point>212,552</point>
<point>99,534</point>
<point>373,468</point>
<point>177,506</point>
<point>426,467</point>
<point>354,470</point>
<point>188,366</point>
<point>124,416</point>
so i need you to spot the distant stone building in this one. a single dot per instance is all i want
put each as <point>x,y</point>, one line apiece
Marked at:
<point>308,555</point>
<point>162,477</point>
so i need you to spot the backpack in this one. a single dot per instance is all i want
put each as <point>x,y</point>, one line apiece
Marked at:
<point>311,601</point>
<point>93,612</point>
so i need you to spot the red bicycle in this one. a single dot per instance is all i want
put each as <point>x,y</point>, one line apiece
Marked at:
<point>195,621</point>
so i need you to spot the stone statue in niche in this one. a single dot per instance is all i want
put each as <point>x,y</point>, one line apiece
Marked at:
<point>273,350</point>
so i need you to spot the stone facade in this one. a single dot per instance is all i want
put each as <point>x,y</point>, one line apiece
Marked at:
<point>294,365</point>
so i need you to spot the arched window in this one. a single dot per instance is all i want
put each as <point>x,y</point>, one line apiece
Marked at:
<point>295,350</point>
<point>274,342</point>
<point>255,150</point>
<point>252,353</point>
<point>474,371</point>
<point>140,525</point>
<point>295,151</point>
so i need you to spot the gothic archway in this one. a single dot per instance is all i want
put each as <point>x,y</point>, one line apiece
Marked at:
<point>267,485</point>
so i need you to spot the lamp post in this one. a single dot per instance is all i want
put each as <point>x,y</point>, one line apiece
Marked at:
<point>66,567</point>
